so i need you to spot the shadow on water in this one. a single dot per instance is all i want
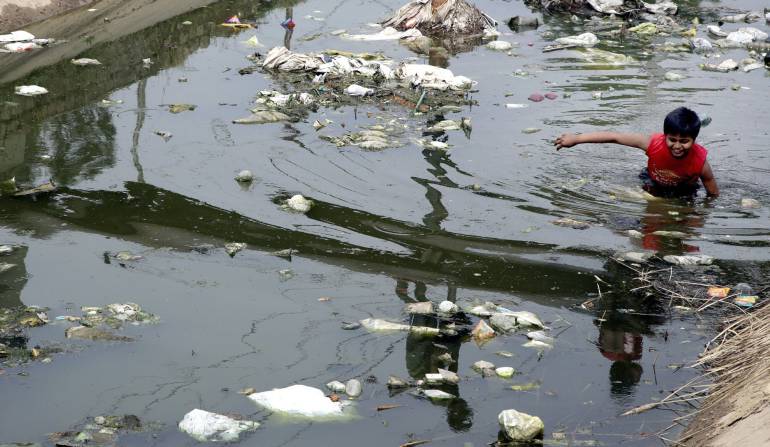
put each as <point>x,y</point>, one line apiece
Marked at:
<point>145,214</point>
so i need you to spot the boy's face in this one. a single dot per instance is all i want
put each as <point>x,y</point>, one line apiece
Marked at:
<point>679,145</point>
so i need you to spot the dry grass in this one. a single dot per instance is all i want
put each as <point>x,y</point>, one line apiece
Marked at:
<point>736,358</point>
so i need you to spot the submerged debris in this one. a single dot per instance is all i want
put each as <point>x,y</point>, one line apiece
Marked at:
<point>689,259</point>
<point>102,432</point>
<point>571,223</point>
<point>486,369</point>
<point>372,139</point>
<point>94,334</point>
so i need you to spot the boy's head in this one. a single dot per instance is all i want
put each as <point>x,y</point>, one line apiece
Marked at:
<point>681,127</point>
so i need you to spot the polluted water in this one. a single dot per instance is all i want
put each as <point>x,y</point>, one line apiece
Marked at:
<point>182,216</point>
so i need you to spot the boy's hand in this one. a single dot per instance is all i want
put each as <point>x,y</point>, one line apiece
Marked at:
<point>566,140</point>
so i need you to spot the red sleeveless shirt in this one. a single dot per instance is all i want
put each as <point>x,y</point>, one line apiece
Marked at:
<point>669,171</point>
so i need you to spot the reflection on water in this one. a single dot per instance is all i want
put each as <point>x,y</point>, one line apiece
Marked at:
<point>667,227</point>
<point>423,354</point>
<point>77,91</point>
<point>142,211</point>
<point>12,281</point>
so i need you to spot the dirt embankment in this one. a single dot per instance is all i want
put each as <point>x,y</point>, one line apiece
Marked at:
<point>15,14</point>
<point>82,29</point>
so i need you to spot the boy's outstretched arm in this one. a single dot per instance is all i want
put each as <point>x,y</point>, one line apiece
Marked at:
<point>709,182</point>
<point>636,140</point>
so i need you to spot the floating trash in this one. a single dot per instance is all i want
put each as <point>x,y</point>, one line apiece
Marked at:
<point>750,203</point>
<point>179,108</point>
<point>164,134</point>
<point>486,369</point>
<point>582,40</point>
<point>438,395</point>
<point>397,382</point>
<point>93,334</point>
<point>357,90</point>
<point>30,90</point>
<point>689,259</point>
<point>387,33</point>
<point>718,292</point>
<point>85,61</point>
<point>499,45</point>
<point>299,400</point>
<point>520,427</point>
<point>127,256</point>
<point>536,97</point>
<point>353,388</point>
<point>234,247</point>
<point>244,176</point>
<point>482,331</point>
<point>263,117</point>
<point>299,203</point>
<point>205,426</point>
<point>571,223</point>
<point>421,308</point>
<point>336,386</point>
<point>448,308</point>
<point>253,42</point>
<point>671,76</point>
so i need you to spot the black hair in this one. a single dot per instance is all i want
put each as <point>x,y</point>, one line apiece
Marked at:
<point>682,121</point>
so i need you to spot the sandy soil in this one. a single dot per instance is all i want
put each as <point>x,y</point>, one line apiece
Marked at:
<point>82,30</point>
<point>741,420</point>
<point>15,14</point>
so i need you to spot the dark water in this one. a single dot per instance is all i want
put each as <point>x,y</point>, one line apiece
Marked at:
<point>389,228</point>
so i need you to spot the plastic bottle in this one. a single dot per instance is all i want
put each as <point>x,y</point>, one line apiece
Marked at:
<point>743,289</point>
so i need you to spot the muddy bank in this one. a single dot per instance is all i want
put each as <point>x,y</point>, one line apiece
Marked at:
<point>83,29</point>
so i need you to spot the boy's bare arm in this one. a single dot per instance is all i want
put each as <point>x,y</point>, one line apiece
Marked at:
<point>636,140</point>
<point>709,182</point>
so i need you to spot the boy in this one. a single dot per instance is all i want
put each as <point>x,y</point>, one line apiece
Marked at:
<point>675,162</point>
